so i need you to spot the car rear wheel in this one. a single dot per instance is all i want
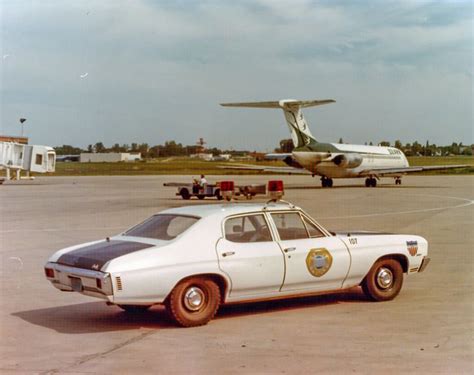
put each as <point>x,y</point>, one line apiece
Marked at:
<point>193,302</point>
<point>134,309</point>
<point>384,280</point>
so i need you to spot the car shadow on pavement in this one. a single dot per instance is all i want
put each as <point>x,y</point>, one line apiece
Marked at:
<point>354,295</point>
<point>96,317</point>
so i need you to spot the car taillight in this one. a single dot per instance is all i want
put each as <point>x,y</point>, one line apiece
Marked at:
<point>275,189</point>
<point>49,272</point>
<point>98,283</point>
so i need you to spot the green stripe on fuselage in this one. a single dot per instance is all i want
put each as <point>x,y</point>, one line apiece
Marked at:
<point>314,146</point>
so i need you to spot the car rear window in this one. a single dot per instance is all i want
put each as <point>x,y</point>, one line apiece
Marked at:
<point>162,226</point>
<point>251,228</point>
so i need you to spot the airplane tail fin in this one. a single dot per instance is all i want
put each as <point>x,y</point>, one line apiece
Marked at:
<point>300,132</point>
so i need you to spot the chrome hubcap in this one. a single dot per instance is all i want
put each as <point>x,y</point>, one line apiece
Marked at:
<point>384,278</point>
<point>194,298</point>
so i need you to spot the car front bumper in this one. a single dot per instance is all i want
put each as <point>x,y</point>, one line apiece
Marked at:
<point>424,264</point>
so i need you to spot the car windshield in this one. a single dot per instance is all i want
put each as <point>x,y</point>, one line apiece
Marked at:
<point>162,227</point>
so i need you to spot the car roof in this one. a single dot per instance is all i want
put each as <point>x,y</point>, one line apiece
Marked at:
<point>227,209</point>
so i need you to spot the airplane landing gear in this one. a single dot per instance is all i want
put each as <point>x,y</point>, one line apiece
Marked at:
<point>370,182</point>
<point>326,182</point>
<point>398,181</point>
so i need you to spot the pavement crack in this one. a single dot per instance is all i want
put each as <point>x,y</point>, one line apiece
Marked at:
<point>91,357</point>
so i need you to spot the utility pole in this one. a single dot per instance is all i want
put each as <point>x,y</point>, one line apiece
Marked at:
<point>22,120</point>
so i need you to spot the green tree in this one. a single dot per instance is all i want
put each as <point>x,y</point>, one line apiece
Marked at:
<point>116,148</point>
<point>416,148</point>
<point>99,147</point>
<point>67,150</point>
<point>286,146</point>
<point>154,152</point>
<point>385,144</point>
<point>143,149</point>
<point>398,144</point>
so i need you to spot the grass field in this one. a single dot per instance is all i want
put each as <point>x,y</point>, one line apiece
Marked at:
<point>187,166</point>
<point>193,167</point>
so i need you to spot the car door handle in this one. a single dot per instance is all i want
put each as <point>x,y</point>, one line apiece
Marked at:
<point>228,254</point>
<point>288,249</point>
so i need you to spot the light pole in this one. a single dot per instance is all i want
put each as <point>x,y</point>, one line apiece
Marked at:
<point>22,120</point>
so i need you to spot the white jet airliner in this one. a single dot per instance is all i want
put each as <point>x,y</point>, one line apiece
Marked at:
<point>332,160</point>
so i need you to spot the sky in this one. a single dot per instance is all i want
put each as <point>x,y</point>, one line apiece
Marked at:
<point>148,71</point>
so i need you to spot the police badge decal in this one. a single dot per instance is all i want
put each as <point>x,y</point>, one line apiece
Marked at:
<point>412,247</point>
<point>318,261</point>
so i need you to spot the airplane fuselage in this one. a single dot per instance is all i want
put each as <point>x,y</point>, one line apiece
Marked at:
<point>334,160</point>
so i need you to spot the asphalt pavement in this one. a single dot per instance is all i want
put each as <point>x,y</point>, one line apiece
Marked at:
<point>428,328</point>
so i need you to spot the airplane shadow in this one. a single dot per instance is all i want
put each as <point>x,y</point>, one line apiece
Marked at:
<point>309,187</point>
<point>94,317</point>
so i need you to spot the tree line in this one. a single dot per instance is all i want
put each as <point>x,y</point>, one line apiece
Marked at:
<point>171,148</point>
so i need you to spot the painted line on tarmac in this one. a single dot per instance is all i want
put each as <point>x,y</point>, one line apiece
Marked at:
<point>468,202</point>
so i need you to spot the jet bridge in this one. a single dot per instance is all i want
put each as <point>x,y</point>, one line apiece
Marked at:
<point>17,157</point>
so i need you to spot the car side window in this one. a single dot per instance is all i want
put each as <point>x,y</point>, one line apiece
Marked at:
<point>313,230</point>
<point>251,228</point>
<point>290,226</point>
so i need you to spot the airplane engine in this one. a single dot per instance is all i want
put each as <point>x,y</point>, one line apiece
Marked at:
<point>292,162</point>
<point>348,160</point>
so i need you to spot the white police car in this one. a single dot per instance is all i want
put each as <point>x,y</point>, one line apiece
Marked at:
<point>195,258</point>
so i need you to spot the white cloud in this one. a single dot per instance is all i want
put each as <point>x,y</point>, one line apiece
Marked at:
<point>158,70</point>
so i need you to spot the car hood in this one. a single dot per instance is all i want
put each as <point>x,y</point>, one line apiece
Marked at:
<point>95,256</point>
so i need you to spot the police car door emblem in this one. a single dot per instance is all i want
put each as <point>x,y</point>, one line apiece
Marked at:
<point>412,247</point>
<point>318,262</point>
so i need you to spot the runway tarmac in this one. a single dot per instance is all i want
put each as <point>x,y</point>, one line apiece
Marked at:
<point>428,328</point>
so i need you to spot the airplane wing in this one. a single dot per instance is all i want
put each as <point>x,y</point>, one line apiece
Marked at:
<point>266,168</point>
<point>277,156</point>
<point>390,171</point>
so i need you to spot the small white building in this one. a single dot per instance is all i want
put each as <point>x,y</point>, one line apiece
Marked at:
<point>109,157</point>
<point>202,155</point>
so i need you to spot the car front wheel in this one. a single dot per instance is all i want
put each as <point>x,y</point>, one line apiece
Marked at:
<point>193,302</point>
<point>384,280</point>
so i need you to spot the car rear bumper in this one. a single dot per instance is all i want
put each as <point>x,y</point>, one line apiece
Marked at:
<point>71,279</point>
